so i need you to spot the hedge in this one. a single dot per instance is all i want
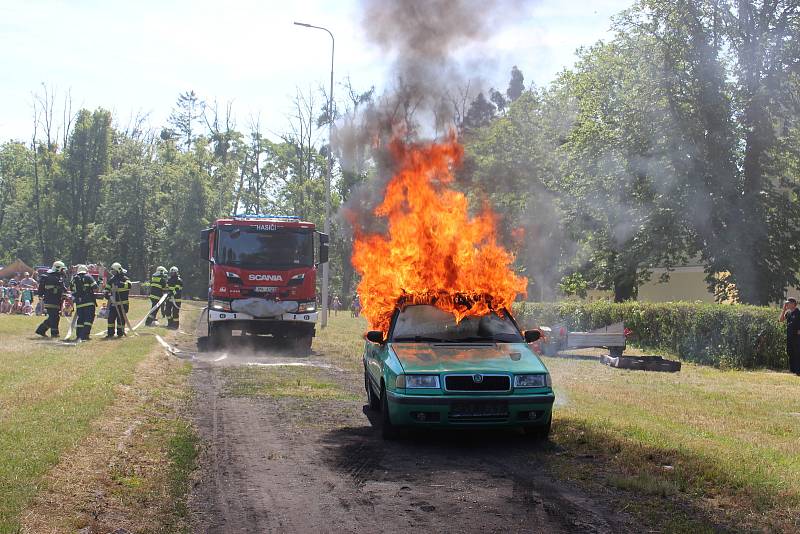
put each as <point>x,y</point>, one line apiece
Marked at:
<point>722,335</point>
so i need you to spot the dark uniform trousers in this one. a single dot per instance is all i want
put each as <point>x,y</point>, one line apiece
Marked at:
<point>793,351</point>
<point>53,318</point>
<point>85,314</point>
<point>117,290</point>
<point>156,290</point>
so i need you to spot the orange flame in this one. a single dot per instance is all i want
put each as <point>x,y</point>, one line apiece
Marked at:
<point>433,253</point>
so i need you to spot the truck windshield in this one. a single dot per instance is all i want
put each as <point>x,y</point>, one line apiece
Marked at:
<point>249,247</point>
<point>423,323</point>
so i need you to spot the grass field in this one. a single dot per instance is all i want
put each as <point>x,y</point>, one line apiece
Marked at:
<point>50,395</point>
<point>708,445</point>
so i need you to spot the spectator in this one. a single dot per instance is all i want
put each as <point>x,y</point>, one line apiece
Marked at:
<point>355,307</point>
<point>337,305</point>
<point>27,282</point>
<point>3,297</point>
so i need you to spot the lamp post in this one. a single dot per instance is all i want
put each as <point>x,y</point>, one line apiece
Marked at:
<point>327,224</point>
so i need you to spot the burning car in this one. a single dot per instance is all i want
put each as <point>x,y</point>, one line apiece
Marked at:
<point>430,370</point>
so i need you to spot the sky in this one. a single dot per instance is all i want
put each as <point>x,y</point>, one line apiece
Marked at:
<point>135,57</point>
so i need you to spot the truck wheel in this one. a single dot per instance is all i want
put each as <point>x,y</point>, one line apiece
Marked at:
<point>373,402</point>
<point>301,346</point>
<point>388,430</point>
<point>218,336</point>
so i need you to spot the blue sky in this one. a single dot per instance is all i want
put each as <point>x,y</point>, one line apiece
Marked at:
<point>137,56</point>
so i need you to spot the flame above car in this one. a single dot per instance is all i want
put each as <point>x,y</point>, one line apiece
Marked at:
<point>433,252</point>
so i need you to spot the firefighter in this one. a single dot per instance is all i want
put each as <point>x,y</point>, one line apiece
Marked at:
<point>116,292</point>
<point>158,283</point>
<point>83,287</point>
<point>791,316</point>
<point>51,292</point>
<point>173,304</point>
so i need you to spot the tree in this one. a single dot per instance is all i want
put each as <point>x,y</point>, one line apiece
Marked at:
<point>188,109</point>
<point>516,86</point>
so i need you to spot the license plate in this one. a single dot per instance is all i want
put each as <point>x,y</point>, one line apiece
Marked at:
<point>479,409</point>
<point>264,289</point>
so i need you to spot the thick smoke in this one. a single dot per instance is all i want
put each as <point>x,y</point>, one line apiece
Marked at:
<point>435,51</point>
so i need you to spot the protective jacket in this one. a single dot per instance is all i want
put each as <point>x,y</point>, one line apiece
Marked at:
<point>51,289</point>
<point>83,287</point>
<point>117,290</point>
<point>157,283</point>
<point>175,287</point>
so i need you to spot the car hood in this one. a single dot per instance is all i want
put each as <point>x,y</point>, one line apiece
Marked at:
<point>472,357</point>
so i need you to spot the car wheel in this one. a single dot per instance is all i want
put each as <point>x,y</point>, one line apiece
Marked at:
<point>373,402</point>
<point>388,430</point>
<point>301,346</point>
<point>539,433</point>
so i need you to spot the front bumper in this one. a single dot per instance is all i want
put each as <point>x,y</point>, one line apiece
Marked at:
<point>215,315</point>
<point>470,411</point>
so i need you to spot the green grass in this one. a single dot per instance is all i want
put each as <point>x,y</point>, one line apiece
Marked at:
<point>49,395</point>
<point>182,453</point>
<point>726,441</point>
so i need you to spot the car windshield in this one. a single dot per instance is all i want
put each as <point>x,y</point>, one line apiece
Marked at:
<point>426,323</point>
<point>249,247</point>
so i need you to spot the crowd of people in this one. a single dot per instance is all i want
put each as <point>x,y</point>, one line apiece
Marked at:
<point>63,292</point>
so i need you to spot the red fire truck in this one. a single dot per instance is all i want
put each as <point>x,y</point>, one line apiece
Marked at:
<point>262,278</point>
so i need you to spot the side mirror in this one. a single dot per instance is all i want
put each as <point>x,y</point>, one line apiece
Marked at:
<point>204,241</point>
<point>375,336</point>
<point>323,247</point>
<point>532,335</point>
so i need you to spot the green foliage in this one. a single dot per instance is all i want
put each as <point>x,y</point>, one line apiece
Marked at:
<point>574,285</point>
<point>728,336</point>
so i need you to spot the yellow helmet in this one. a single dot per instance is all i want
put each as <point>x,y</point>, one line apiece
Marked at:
<point>59,266</point>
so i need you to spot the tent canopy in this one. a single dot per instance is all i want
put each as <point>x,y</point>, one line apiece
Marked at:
<point>17,266</point>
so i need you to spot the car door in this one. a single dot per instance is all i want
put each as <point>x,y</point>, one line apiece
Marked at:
<point>375,356</point>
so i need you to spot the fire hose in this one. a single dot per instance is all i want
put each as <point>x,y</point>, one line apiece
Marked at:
<point>154,308</point>
<point>120,311</point>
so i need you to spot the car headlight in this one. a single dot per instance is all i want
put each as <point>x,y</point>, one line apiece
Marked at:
<point>220,305</point>
<point>418,381</point>
<point>532,381</point>
<point>305,307</point>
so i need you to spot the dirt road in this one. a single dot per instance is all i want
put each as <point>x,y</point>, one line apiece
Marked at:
<point>280,463</point>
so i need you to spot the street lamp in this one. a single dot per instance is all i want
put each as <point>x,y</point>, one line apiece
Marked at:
<point>325,271</point>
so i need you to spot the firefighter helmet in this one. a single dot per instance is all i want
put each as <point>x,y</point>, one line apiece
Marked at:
<point>161,269</point>
<point>173,270</point>
<point>59,266</point>
<point>81,269</point>
<point>116,267</point>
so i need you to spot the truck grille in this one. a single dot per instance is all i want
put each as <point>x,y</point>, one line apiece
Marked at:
<point>477,382</point>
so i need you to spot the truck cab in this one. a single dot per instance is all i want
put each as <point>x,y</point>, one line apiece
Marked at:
<point>262,278</point>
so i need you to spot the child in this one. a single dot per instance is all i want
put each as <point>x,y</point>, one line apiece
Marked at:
<point>27,300</point>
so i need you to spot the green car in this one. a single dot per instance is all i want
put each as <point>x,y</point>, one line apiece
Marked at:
<point>429,371</point>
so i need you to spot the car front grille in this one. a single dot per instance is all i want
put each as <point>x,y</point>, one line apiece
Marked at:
<point>477,382</point>
<point>486,412</point>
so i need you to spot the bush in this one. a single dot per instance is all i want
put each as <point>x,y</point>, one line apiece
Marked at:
<point>722,335</point>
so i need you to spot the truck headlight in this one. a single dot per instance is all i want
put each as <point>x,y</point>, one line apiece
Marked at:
<point>532,381</point>
<point>307,307</point>
<point>418,381</point>
<point>220,305</point>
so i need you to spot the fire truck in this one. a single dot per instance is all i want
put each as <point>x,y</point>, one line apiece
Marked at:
<point>263,277</point>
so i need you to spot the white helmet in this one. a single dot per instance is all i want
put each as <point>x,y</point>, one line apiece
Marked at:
<point>59,266</point>
<point>173,270</point>
<point>161,270</point>
<point>81,269</point>
<point>116,267</point>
